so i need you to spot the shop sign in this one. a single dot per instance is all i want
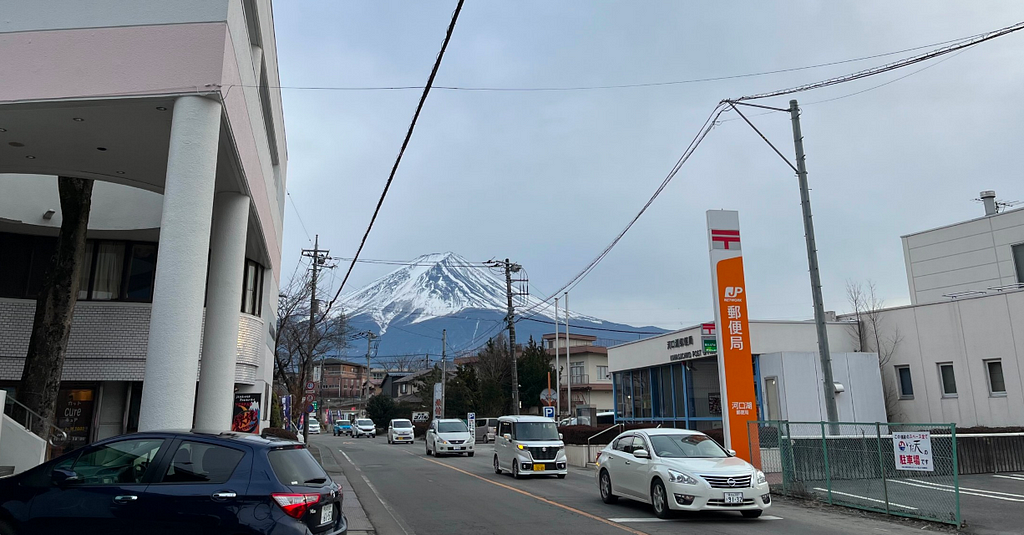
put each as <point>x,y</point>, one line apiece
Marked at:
<point>690,355</point>
<point>913,451</point>
<point>74,416</point>
<point>733,338</point>
<point>246,416</point>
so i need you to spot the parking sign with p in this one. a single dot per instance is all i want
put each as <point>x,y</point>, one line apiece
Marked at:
<point>549,412</point>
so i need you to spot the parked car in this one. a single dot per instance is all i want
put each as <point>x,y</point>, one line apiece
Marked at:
<point>485,429</point>
<point>314,426</point>
<point>364,427</point>
<point>400,430</point>
<point>679,469</point>
<point>175,482</point>
<point>528,445</point>
<point>342,427</point>
<point>449,436</point>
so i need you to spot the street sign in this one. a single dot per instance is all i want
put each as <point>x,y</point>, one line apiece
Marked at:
<point>308,398</point>
<point>310,408</point>
<point>471,423</point>
<point>310,386</point>
<point>549,411</point>
<point>421,417</point>
<point>548,396</point>
<point>913,451</point>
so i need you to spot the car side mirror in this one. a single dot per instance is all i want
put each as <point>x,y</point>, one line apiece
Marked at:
<point>560,436</point>
<point>61,477</point>
<point>641,454</point>
<point>732,453</point>
<point>506,436</point>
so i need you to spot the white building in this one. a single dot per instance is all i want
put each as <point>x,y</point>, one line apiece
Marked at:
<point>670,379</point>
<point>173,109</point>
<point>584,371</point>
<point>958,348</point>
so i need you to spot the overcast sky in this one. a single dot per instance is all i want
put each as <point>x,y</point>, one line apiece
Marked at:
<point>547,179</point>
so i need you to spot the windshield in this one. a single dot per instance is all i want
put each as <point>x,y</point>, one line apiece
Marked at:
<point>401,424</point>
<point>452,427</point>
<point>364,423</point>
<point>536,431</point>
<point>686,446</point>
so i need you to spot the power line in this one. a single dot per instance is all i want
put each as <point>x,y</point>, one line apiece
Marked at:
<point>405,262</point>
<point>401,152</point>
<point>586,328</point>
<point>959,45</point>
<point>613,86</point>
<point>299,215</point>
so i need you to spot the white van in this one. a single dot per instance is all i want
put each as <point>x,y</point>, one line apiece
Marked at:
<point>529,445</point>
<point>486,429</point>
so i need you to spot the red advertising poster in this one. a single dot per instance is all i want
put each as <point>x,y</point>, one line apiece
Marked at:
<point>246,417</point>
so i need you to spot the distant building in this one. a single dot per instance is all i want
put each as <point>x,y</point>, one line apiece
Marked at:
<point>340,379</point>
<point>585,369</point>
<point>958,348</point>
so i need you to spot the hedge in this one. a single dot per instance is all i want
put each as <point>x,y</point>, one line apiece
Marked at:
<point>578,434</point>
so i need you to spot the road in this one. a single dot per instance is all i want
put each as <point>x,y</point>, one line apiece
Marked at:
<point>404,492</point>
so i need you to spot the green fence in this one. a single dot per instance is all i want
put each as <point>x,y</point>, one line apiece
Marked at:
<point>899,469</point>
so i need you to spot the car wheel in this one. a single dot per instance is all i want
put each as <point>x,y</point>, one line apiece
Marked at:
<point>515,470</point>
<point>497,467</point>
<point>606,488</point>
<point>753,513</point>
<point>659,499</point>
<point>428,448</point>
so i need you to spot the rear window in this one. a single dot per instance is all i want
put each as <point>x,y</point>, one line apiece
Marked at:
<point>296,466</point>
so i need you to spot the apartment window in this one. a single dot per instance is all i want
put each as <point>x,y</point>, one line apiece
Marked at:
<point>948,380</point>
<point>602,373</point>
<point>996,385</point>
<point>576,372</point>
<point>252,289</point>
<point>403,389</point>
<point>906,385</point>
<point>141,270</point>
<point>1018,261</point>
<point>108,269</point>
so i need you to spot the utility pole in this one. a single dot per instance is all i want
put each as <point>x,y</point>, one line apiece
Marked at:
<point>558,373</point>
<point>509,269</point>
<point>568,361</point>
<point>365,393</point>
<point>444,366</point>
<point>812,263</point>
<point>307,365</point>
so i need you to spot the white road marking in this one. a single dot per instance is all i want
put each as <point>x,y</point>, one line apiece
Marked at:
<point>1014,477</point>
<point>390,511</point>
<point>986,491</point>
<point>866,498</point>
<point>970,492</point>
<point>638,520</point>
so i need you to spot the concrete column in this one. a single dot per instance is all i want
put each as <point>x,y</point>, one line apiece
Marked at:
<point>176,322</point>
<point>223,297</point>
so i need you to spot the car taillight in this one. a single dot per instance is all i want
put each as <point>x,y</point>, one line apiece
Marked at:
<point>295,505</point>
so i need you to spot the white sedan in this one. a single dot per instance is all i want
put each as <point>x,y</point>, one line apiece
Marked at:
<point>449,436</point>
<point>680,470</point>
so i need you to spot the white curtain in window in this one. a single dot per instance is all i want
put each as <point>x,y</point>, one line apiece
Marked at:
<point>109,266</point>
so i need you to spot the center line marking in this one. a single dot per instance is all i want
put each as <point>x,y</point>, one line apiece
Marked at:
<point>534,496</point>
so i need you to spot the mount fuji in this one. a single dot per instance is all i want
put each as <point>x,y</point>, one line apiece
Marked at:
<point>411,306</point>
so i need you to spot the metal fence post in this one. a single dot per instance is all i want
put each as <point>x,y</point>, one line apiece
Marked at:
<point>956,475</point>
<point>881,465</point>
<point>828,472</point>
<point>750,448</point>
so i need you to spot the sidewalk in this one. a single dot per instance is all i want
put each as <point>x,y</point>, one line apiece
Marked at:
<point>358,523</point>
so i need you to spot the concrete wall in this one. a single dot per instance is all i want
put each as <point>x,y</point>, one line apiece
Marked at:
<point>972,255</point>
<point>18,446</point>
<point>765,337</point>
<point>20,16</point>
<point>801,392</point>
<point>965,332</point>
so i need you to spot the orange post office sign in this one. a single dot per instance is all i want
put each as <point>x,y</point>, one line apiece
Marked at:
<point>735,363</point>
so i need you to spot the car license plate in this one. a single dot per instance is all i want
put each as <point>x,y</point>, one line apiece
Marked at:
<point>460,448</point>
<point>327,514</point>
<point>733,498</point>
<point>538,468</point>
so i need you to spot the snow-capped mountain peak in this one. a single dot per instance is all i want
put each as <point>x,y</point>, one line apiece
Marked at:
<point>433,286</point>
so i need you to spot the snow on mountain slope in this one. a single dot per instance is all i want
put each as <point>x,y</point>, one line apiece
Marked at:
<point>433,286</point>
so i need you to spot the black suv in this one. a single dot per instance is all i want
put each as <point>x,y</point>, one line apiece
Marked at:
<point>176,482</point>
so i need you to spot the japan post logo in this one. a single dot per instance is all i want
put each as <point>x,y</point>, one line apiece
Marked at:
<point>732,292</point>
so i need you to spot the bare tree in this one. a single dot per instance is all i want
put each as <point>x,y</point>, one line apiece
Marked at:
<point>871,333</point>
<point>403,363</point>
<point>293,349</point>
<point>55,306</point>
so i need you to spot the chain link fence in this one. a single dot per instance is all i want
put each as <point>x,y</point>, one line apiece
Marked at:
<point>898,469</point>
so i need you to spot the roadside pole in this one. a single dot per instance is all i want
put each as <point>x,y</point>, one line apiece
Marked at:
<point>444,366</point>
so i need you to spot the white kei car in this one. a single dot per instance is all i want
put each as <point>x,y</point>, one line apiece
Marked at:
<point>400,430</point>
<point>680,470</point>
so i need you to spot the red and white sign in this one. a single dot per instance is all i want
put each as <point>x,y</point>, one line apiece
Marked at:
<point>707,329</point>
<point>735,363</point>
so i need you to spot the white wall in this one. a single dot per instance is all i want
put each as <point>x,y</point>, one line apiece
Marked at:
<point>801,381</point>
<point>965,332</point>
<point>20,16</point>
<point>972,255</point>
<point>114,206</point>
<point>18,447</point>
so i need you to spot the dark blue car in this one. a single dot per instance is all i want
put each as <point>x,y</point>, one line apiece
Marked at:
<point>176,482</point>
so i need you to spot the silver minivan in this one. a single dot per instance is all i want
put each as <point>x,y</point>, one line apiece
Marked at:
<point>486,429</point>
<point>529,445</point>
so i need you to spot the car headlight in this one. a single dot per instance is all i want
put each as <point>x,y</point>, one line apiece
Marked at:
<point>443,441</point>
<point>761,479</point>
<point>679,477</point>
<point>520,446</point>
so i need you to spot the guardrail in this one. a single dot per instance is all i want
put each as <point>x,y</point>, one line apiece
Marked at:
<point>31,420</point>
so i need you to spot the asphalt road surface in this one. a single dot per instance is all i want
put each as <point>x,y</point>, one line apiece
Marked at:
<point>405,492</point>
